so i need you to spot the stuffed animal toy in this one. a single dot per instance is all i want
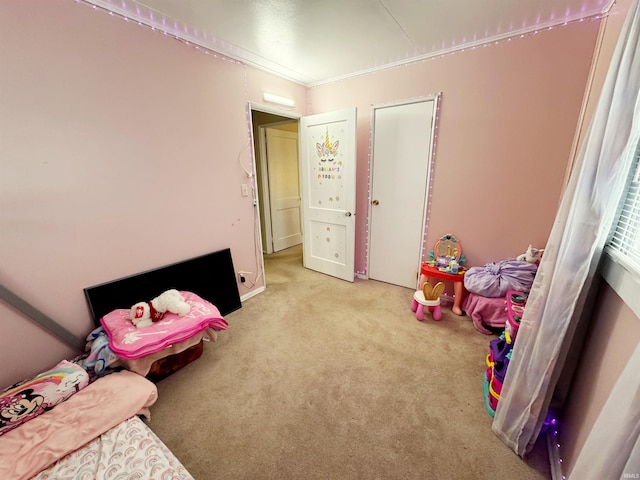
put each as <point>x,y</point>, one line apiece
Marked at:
<point>532,255</point>
<point>143,314</point>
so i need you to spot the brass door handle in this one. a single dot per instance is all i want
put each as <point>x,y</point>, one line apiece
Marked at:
<point>375,202</point>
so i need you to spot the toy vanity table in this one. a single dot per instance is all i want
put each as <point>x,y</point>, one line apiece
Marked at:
<point>446,258</point>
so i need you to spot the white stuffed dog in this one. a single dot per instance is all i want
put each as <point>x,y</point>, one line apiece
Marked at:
<point>143,314</point>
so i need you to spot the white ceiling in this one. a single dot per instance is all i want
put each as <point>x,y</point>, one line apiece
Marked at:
<point>316,41</point>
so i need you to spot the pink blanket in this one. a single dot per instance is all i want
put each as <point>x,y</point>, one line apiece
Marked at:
<point>33,446</point>
<point>129,342</point>
<point>484,311</point>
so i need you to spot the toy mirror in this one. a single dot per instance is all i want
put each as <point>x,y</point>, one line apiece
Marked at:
<point>448,246</point>
<point>447,249</point>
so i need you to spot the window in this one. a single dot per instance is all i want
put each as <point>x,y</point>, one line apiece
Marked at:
<point>624,244</point>
<point>621,268</point>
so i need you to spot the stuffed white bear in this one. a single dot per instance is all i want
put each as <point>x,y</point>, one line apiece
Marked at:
<point>143,314</point>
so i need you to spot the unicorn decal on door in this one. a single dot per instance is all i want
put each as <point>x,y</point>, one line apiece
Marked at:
<point>328,149</point>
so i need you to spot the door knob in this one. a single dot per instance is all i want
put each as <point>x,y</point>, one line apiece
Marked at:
<point>375,202</point>
<point>347,214</point>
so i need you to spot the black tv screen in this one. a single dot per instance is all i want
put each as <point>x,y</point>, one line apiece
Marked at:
<point>209,276</point>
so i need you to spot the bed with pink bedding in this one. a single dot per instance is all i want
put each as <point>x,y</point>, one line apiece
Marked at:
<point>485,312</point>
<point>95,433</point>
<point>81,420</point>
<point>138,348</point>
<point>207,282</point>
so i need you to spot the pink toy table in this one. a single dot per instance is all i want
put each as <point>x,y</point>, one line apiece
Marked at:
<point>427,272</point>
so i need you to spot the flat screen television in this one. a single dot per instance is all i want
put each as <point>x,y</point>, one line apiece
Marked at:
<point>210,276</point>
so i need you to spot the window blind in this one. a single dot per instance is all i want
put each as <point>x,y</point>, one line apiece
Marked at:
<point>624,244</point>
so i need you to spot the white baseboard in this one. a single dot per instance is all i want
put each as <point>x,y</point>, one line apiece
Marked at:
<point>247,296</point>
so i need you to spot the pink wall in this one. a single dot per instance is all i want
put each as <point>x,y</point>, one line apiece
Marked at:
<point>507,120</point>
<point>120,150</point>
<point>107,128</point>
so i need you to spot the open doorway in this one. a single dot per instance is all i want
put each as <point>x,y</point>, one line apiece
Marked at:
<point>324,193</point>
<point>275,140</point>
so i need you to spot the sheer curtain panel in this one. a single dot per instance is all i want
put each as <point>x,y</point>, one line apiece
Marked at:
<point>573,252</point>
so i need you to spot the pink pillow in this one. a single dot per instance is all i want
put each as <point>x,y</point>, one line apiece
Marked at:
<point>130,342</point>
<point>26,400</point>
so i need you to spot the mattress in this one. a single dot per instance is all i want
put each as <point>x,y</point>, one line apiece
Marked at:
<point>94,434</point>
<point>130,450</point>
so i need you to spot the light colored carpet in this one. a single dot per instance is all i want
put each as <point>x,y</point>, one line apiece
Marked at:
<point>318,378</point>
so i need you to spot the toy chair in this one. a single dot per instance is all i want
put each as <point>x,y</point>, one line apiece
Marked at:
<point>428,297</point>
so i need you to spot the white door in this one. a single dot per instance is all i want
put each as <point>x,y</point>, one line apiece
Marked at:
<point>284,188</point>
<point>328,179</point>
<point>402,146</point>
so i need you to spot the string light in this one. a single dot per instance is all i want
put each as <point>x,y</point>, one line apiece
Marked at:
<point>363,273</point>
<point>189,36</point>
<point>550,426</point>
<point>455,50</point>
<point>432,169</point>
<point>152,24</point>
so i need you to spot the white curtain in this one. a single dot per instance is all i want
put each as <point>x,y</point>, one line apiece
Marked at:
<point>574,249</point>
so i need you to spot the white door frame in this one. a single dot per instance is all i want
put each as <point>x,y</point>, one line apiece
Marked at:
<point>264,183</point>
<point>261,108</point>
<point>253,175</point>
<point>431,156</point>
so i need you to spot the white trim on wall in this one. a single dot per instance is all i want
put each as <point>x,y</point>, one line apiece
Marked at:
<point>252,293</point>
<point>622,281</point>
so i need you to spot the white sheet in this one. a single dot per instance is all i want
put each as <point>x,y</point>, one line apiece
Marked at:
<point>129,450</point>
